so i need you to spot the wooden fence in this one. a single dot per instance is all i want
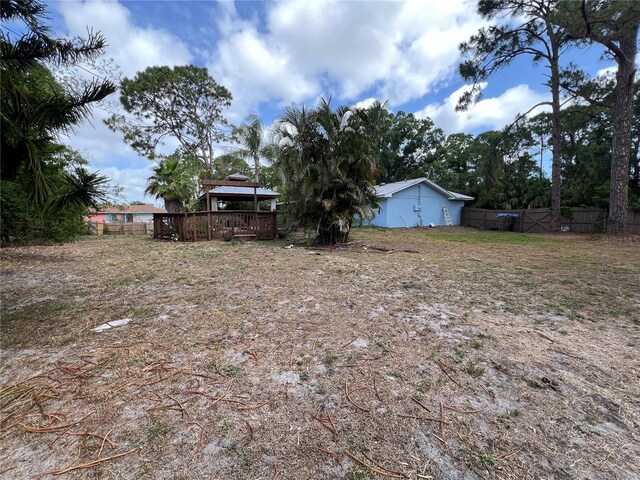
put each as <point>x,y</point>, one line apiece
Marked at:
<point>538,220</point>
<point>119,228</point>
<point>197,226</point>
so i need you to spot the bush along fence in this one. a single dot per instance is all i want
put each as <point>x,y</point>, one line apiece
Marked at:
<point>538,220</point>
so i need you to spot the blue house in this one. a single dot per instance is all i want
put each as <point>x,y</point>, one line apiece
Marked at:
<point>417,202</point>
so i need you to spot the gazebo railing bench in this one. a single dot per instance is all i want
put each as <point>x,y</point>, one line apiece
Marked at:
<point>214,225</point>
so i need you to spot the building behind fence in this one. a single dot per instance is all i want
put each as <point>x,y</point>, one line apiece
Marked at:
<point>538,220</point>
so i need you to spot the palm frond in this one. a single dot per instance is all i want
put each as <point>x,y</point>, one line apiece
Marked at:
<point>84,189</point>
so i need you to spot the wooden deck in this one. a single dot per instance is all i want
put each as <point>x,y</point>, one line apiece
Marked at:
<point>218,225</point>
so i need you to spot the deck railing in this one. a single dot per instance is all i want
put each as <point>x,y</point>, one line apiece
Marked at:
<point>198,226</point>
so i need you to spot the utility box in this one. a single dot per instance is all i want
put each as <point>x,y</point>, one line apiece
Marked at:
<point>507,221</point>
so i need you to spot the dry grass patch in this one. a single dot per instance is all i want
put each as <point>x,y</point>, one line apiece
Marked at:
<point>444,353</point>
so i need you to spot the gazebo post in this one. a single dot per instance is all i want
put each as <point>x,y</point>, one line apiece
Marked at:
<point>208,210</point>
<point>255,208</point>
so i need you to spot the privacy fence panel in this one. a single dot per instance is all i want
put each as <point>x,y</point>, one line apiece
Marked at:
<point>538,220</point>
<point>125,228</point>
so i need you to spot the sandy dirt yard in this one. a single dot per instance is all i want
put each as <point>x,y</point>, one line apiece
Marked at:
<point>419,354</point>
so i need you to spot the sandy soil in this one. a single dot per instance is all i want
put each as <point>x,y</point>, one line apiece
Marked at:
<point>445,354</point>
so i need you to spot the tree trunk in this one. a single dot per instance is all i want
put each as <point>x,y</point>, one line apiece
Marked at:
<point>256,166</point>
<point>622,115</point>
<point>556,131</point>
<point>541,155</point>
<point>173,206</point>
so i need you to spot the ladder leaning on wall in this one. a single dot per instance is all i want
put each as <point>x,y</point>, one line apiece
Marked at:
<point>447,217</point>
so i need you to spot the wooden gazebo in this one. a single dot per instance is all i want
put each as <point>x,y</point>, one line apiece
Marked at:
<point>214,221</point>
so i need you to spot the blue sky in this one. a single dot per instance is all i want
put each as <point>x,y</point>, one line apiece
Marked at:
<point>270,54</point>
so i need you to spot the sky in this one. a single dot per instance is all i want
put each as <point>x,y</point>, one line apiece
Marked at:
<point>272,54</point>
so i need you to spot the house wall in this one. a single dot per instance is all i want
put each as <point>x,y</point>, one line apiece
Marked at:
<point>96,217</point>
<point>418,205</point>
<point>143,218</point>
<point>120,218</point>
<point>380,220</point>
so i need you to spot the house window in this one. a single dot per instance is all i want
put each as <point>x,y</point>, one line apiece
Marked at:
<point>113,217</point>
<point>128,218</point>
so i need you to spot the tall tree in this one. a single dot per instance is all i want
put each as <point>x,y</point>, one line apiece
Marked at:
<point>524,185</point>
<point>251,137</point>
<point>614,25</point>
<point>497,168</point>
<point>459,164</point>
<point>404,145</point>
<point>489,152</point>
<point>530,31</point>
<point>229,164</point>
<point>34,107</point>
<point>182,102</point>
<point>411,146</point>
<point>540,128</point>
<point>586,155</point>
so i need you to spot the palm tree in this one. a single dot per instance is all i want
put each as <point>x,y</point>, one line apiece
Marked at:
<point>251,137</point>
<point>173,181</point>
<point>34,107</point>
<point>82,188</point>
<point>328,167</point>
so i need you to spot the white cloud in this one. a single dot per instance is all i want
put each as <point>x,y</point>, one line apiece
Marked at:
<point>254,71</point>
<point>607,71</point>
<point>133,48</point>
<point>132,180</point>
<point>402,50</point>
<point>366,103</point>
<point>490,113</point>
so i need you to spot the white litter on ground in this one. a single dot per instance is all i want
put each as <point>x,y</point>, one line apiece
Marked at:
<point>108,325</point>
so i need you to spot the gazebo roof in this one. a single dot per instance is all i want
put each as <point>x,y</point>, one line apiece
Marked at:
<point>237,177</point>
<point>235,191</point>
<point>236,187</point>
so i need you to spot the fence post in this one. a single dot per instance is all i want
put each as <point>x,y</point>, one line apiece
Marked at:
<point>274,225</point>
<point>484,219</point>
